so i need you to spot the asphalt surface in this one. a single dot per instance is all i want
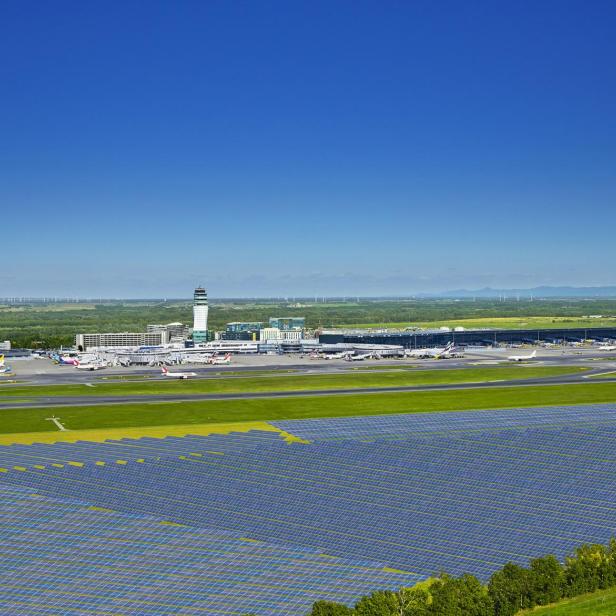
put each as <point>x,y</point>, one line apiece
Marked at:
<point>63,401</point>
<point>42,372</point>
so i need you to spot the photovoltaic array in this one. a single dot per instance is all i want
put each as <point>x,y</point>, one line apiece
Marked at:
<point>248,522</point>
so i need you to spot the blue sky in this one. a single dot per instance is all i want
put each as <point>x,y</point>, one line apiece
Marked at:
<point>287,148</point>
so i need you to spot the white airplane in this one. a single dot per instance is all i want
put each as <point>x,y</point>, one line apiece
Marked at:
<point>607,347</point>
<point>67,361</point>
<point>177,375</point>
<point>434,353</point>
<point>218,361</point>
<point>201,358</point>
<point>522,357</point>
<point>342,355</point>
<point>93,365</point>
<point>359,357</point>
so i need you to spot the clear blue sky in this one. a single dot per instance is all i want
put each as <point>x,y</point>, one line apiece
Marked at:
<point>285,148</point>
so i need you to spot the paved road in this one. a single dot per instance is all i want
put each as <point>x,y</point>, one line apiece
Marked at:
<point>63,401</point>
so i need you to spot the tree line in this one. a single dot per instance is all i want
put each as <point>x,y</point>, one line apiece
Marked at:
<point>54,325</point>
<point>511,589</point>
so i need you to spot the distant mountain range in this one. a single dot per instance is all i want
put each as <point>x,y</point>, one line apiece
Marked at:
<point>536,292</point>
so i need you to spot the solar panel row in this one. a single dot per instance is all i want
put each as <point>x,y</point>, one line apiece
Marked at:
<point>460,492</point>
<point>397,425</point>
<point>462,503</point>
<point>65,557</point>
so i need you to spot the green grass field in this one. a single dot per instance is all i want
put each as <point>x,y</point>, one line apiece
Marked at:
<point>391,378</point>
<point>225,411</point>
<point>601,603</point>
<point>543,322</point>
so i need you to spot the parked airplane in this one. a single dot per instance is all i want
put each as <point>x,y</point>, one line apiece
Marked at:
<point>433,353</point>
<point>201,358</point>
<point>93,365</point>
<point>359,357</point>
<point>218,361</point>
<point>342,355</point>
<point>607,347</point>
<point>177,375</point>
<point>66,361</point>
<point>522,357</point>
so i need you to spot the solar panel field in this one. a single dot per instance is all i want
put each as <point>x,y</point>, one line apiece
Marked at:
<point>250,522</point>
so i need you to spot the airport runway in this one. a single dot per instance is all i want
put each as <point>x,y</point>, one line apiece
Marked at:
<point>63,401</point>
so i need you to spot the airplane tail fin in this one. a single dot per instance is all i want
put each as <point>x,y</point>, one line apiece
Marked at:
<point>1,360</point>
<point>534,353</point>
<point>164,369</point>
<point>228,356</point>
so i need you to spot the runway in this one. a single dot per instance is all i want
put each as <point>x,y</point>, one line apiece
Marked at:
<point>64,401</point>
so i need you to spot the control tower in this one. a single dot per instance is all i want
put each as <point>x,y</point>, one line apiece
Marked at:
<point>200,310</point>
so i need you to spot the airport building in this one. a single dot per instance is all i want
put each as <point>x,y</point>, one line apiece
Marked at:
<point>176,332</point>
<point>419,339</point>
<point>244,326</point>
<point>242,330</point>
<point>200,313</point>
<point>287,323</point>
<point>120,340</point>
<point>273,334</point>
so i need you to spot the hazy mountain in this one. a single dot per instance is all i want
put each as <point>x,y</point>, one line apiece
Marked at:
<point>536,292</point>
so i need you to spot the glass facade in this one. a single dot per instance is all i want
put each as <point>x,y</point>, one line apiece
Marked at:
<point>244,326</point>
<point>287,323</point>
<point>419,339</point>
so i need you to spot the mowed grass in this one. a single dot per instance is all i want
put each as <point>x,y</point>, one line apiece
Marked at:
<point>499,323</point>
<point>349,380</point>
<point>302,407</point>
<point>601,603</point>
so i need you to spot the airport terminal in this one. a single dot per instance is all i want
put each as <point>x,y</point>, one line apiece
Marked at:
<point>268,466</point>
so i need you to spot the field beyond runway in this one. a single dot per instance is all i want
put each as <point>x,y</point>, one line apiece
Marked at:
<point>144,416</point>
<point>138,402</point>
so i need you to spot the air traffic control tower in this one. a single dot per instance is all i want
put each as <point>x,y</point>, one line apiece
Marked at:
<point>200,310</point>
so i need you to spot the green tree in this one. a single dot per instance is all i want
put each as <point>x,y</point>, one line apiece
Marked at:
<point>591,568</point>
<point>412,602</point>
<point>509,589</point>
<point>547,580</point>
<point>329,608</point>
<point>380,603</point>
<point>463,596</point>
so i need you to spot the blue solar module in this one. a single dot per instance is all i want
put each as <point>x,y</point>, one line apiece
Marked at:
<point>124,450</point>
<point>463,503</point>
<point>65,557</point>
<point>422,493</point>
<point>398,425</point>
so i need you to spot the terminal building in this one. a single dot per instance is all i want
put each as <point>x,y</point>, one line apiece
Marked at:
<point>176,332</point>
<point>85,342</point>
<point>242,330</point>
<point>244,326</point>
<point>419,339</point>
<point>273,334</point>
<point>287,323</point>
